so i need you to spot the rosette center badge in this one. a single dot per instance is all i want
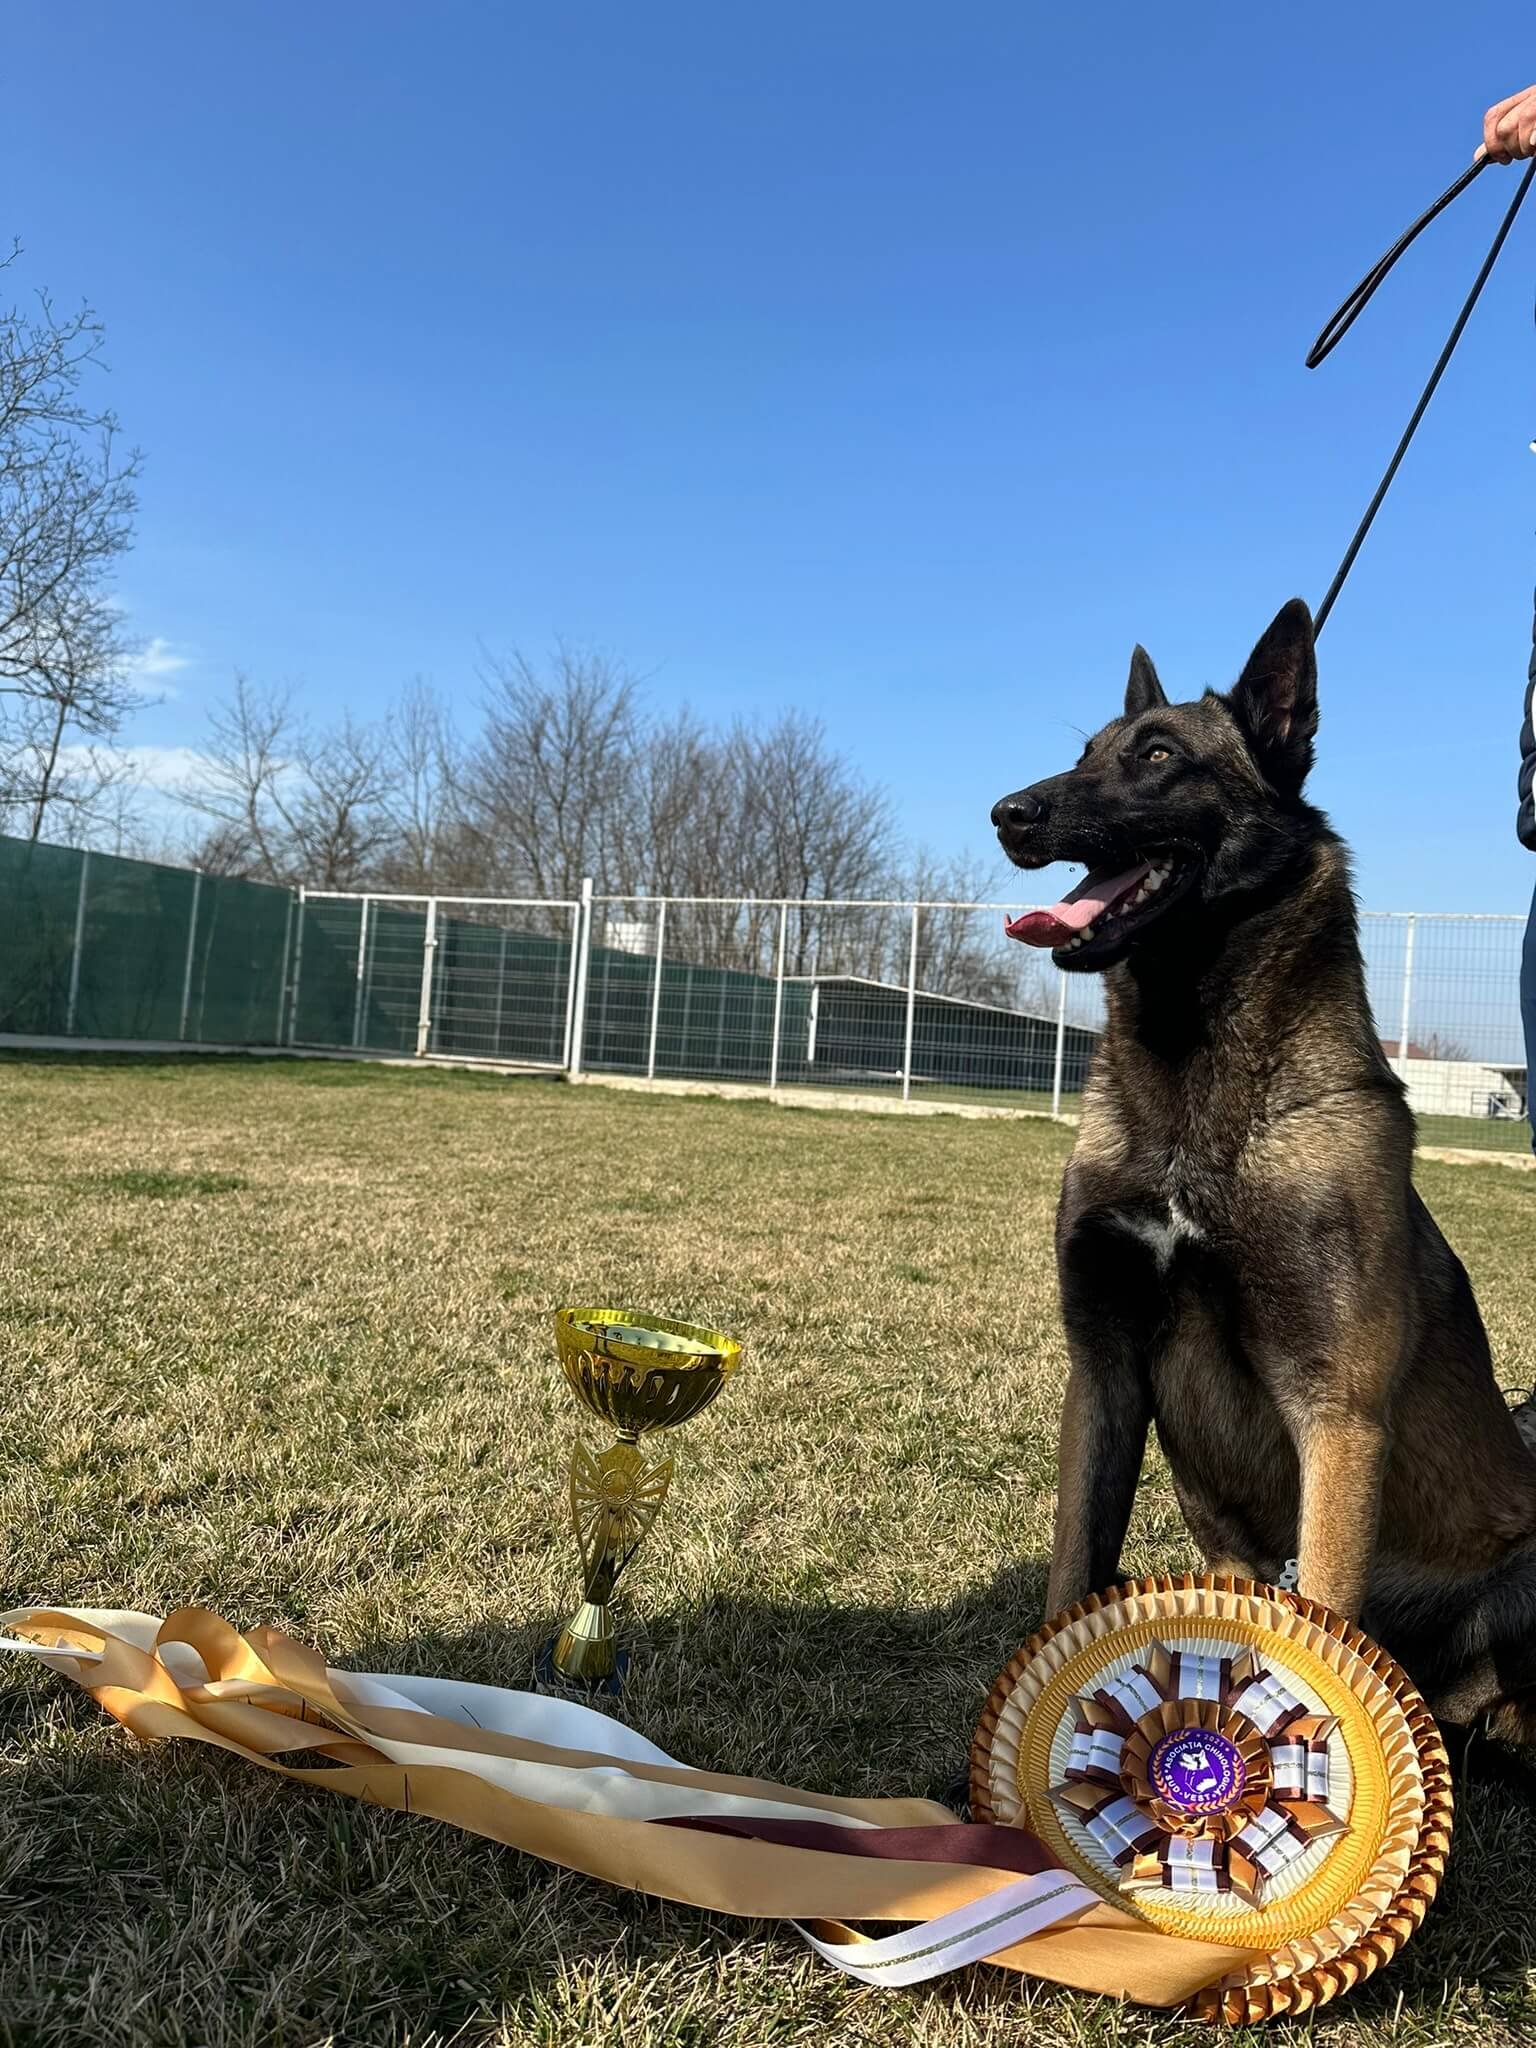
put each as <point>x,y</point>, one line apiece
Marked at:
<point>1198,1772</point>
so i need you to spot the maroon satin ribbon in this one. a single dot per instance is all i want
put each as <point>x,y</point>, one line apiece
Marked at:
<point>978,1843</point>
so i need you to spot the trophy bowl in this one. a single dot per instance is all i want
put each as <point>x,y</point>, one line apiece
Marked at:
<point>641,1372</point>
<point>637,1373</point>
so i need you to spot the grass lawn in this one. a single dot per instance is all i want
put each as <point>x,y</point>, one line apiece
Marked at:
<point>277,1341</point>
<point>1481,1133</point>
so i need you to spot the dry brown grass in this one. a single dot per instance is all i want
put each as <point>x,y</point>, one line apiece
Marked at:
<point>277,1340</point>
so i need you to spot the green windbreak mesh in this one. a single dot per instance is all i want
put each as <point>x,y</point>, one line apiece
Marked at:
<point>133,950</point>
<point>359,974</point>
<point>499,993</point>
<point>397,935</point>
<point>861,1033</point>
<point>326,967</point>
<point>243,933</point>
<point>97,946</point>
<point>39,896</point>
<point>496,992</point>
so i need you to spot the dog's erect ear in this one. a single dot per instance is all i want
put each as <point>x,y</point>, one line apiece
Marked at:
<point>1143,692</point>
<point>1275,699</point>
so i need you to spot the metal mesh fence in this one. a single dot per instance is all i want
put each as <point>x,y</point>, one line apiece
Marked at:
<point>466,978</point>
<point>1446,994</point>
<point>928,1002</point>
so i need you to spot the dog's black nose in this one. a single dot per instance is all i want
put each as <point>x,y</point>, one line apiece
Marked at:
<point>1022,808</point>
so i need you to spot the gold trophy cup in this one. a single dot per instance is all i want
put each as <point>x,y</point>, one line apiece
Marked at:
<point>639,1373</point>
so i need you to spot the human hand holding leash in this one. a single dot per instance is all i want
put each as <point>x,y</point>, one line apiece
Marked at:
<point>1509,128</point>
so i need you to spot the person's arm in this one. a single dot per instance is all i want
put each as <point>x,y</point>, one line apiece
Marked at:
<point>1526,825</point>
<point>1509,129</point>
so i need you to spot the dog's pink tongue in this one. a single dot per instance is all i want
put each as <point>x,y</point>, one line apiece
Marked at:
<point>1095,894</point>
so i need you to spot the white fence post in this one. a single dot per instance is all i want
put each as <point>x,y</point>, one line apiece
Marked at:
<point>362,970</point>
<point>906,1057</point>
<point>282,972</point>
<point>778,998</point>
<point>74,958</point>
<point>297,967</point>
<point>1061,1042</point>
<point>501,993</point>
<point>661,944</point>
<point>428,958</point>
<point>1407,1011</point>
<point>583,960</point>
<point>186,978</point>
<point>570,988</point>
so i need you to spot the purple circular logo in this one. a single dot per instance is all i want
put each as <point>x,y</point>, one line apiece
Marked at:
<point>1198,1771</point>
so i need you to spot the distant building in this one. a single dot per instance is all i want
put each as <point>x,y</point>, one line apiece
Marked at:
<point>1469,1088</point>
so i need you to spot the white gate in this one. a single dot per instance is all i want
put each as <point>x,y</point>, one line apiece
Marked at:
<point>463,977</point>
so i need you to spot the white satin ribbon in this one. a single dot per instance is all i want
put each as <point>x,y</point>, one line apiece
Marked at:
<point>967,1935</point>
<point>527,1716</point>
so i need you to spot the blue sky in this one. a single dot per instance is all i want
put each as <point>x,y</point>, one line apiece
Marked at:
<point>898,363</point>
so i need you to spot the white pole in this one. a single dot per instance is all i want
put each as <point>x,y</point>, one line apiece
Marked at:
<point>428,955</point>
<point>362,969</point>
<point>906,1057</point>
<point>282,977</point>
<point>186,979</point>
<point>1402,1030</point>
<point>778,998</point>
<point>570,987</point>
<point>501,992</point>
<point>1061,1041</point>
<point>74,962</point>
<point>298,968</point>
<point>583,959</point>
<point>661,941</point>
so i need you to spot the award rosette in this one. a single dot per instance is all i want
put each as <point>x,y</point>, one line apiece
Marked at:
<point>1189,1793</point>
<point>1232,1764</point>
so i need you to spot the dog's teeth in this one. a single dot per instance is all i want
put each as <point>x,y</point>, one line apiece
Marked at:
<point>1155,881</point>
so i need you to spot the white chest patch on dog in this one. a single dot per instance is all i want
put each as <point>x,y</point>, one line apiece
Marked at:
<point>1162,1235</point>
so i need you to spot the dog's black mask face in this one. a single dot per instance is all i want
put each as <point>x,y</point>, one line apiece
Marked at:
<point>1173,807</point>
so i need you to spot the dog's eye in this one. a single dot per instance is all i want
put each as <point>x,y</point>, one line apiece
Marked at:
<point>1157,753</point>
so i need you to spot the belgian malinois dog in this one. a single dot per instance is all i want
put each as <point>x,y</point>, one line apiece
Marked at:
<point>1244,1262</point>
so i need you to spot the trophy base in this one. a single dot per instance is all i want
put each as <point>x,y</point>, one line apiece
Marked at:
<point>584,1656</point>
<point>548,1677</point>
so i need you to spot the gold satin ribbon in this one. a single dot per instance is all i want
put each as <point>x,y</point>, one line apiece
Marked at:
<point>268,1697</point>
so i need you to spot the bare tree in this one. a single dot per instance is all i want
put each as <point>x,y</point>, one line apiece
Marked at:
<point>817,828</point>
<point>67,501</point>
<point>421,776</point>
<point>288,804</point>
<point>550,791</point>
<point>116,820</point>
<point>247,753</point>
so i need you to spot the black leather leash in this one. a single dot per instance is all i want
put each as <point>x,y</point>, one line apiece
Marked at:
<point>1339,323</point>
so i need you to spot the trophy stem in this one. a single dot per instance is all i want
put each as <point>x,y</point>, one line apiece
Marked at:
<point>614,1500</point>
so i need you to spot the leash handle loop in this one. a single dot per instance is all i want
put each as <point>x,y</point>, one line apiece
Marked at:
<point>1346,316</point>
<point>1340,321</point>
